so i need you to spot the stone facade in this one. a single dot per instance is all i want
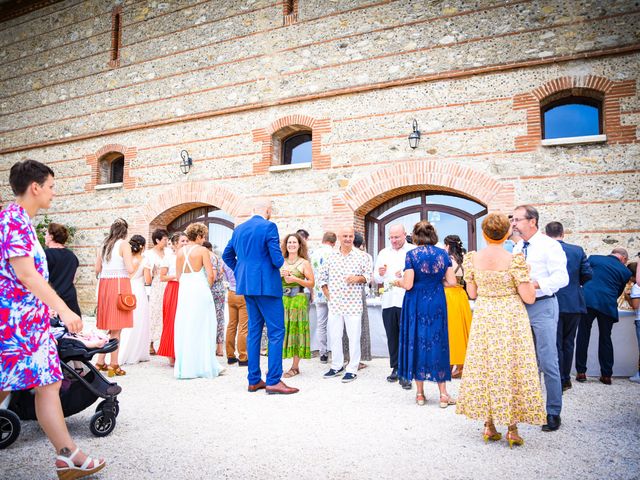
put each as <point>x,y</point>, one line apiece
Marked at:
<point>221,79</point>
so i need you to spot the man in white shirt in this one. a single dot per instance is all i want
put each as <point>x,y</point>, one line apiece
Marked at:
<point>548,264</point>
<point>389,267</point>
<point>319,257</point>
<point>342,279</point>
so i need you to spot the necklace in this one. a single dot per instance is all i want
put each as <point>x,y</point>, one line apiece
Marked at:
<point>292,263</point>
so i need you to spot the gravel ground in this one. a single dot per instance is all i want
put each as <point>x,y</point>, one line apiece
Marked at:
<point>174,429</point>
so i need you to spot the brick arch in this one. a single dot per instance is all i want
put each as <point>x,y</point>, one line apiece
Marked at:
<point>612,92</point>
<point>269,137</point>
<point>93,160</point>
<point>169,203</point>
<point>386,183</point>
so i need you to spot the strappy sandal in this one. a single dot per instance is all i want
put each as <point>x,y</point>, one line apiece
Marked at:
<point>490,432</point>
<point>71,471</point>
<point>102,367</point>
<point>115,371</point>
<point>420,399</point>
<point>292,373</point>
<point>448,401</point>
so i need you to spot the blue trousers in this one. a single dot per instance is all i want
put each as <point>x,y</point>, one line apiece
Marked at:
<point>543,316</point>
<point>605,346</point>
<point>270,311</point>
<point>567,328</point>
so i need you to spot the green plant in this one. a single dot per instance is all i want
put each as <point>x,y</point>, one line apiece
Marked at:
<point>41,230</point>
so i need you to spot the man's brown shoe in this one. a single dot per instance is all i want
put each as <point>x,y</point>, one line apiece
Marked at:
<point>281,389</point>
<point>258,386</point>
<point>581,377</point>
<point>605,380</point>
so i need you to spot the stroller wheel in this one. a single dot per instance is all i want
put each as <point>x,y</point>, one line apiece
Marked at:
<point>102,425</point>
<point>101,405</point>
<point>9,428</point>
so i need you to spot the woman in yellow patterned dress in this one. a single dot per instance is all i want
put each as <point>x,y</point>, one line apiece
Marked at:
<point>500,381</point>
<point>297,274</point>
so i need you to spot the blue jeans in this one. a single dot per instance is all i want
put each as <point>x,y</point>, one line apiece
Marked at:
<point>543,316</point>
<point>270,311</point>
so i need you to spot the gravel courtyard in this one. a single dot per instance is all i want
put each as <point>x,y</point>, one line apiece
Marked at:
<point>368,429</point>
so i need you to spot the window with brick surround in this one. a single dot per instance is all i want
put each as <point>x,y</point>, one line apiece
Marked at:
<point>116,36</point>
<point>111,168</point>
<point>290,11</point>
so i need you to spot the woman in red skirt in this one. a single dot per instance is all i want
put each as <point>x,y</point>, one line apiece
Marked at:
<point>114,265</point>
<point>170,299</point>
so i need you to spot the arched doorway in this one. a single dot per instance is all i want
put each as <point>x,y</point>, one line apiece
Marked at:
<point>219,223</point>
<point>450,213</point>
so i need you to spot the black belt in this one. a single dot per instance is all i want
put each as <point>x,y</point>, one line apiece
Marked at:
<point>545,297</point>
<point>291,291</point>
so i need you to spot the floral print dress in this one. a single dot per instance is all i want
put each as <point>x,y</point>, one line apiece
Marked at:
<point>28,354</point>
<point>500,379</point>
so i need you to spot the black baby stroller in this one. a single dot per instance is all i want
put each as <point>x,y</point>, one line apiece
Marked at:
<point>83,384</point>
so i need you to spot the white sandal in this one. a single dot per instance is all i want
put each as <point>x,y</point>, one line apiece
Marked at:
<point>71,471</point>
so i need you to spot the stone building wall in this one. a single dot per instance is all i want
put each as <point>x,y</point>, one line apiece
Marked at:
<point>220,78</point>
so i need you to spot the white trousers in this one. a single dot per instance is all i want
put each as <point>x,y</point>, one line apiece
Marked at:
<point>353,323</point>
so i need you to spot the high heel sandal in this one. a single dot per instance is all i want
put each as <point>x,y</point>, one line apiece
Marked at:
<point>420,399</point>
<point>490,432</point>
<point>71,471</point>
<point>115,371</point>
<point>513,438</point>
<point>102,367</point>
<point>448,401</point>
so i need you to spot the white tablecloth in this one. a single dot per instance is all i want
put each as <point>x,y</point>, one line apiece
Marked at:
<point>623,335</point>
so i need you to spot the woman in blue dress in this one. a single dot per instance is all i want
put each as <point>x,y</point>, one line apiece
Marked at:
<point>424,340</point>
<point>28,354</point>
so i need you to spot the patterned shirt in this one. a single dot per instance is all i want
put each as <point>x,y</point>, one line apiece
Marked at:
<point>346,299</point>
<point>318,258</point>
<point>28,354</point>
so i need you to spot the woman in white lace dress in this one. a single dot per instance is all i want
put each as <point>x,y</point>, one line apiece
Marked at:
<point>155,260</point>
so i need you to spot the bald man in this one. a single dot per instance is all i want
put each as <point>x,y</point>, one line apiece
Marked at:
<point>342,279</point>
<point>254,255</point>
<point>389,267</point>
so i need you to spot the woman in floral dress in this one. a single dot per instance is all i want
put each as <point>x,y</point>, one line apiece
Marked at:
<point>28,355</point>
<point>500,382</point>
<point>218,292</point>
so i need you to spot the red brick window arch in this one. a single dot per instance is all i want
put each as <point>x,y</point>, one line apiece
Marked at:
<point>292,145</point>
<point>290,12</point>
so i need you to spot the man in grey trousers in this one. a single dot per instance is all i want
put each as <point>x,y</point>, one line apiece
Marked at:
<point>548,264</point>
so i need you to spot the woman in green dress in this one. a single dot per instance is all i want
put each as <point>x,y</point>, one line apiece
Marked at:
<point>297,274</point>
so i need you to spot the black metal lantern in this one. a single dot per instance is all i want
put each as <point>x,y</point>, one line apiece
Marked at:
<point>185,164</point>
<point>414,137</point>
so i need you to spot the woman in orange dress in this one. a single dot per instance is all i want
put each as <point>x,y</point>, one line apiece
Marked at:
<point>114,264</point>
<point>170,299</point>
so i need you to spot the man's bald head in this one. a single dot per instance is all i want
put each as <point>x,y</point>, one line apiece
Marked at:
<point>397,236</point>
<point>263,207</point>
<point>345,235</point>
<point>621,253</point>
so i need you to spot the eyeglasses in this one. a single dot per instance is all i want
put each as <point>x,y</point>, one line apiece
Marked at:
<point>516,220</point>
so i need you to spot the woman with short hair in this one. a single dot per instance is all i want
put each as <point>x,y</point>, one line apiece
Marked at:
<point>29,356</point>
<point>501,382</point>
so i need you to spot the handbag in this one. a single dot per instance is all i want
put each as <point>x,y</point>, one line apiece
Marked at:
<point>126,301</point>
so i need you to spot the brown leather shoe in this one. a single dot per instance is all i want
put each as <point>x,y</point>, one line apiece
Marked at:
<point>581,377</point>
<point>258,386</point>
<point>281,389</point>
<point>605,380</point>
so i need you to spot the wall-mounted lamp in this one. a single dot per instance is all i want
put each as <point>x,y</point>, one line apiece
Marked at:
<point>185,164</point>
<point>414,137</point>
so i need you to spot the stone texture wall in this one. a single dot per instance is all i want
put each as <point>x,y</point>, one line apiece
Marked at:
<point>220,78</point>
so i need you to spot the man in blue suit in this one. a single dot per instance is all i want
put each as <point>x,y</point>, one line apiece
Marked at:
<point>610,276</point>
<point>570,301</point>
<point>254,255</point>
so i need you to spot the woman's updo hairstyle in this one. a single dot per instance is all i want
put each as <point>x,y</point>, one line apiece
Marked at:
<point>137,243</point>
<point>496,226</point>
<point>456,250</point>
<point>424,234</point>
<point>196,230</point>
